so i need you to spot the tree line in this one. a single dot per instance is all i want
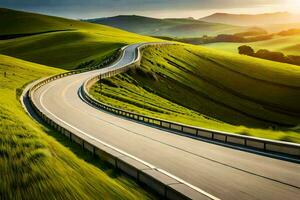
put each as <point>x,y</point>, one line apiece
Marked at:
<point>269,55</point>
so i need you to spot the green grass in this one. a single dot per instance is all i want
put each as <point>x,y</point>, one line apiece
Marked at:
<point>33,165</point>
<point>289,45</point>
<point>81,42</point>
<point>212,89</point>
<point>35,161</point>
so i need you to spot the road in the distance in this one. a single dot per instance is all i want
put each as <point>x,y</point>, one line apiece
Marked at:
<point>223,172</point>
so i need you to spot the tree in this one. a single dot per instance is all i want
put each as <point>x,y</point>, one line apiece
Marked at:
<point>246,50</point>
<point>295,60</point>
<point>262,53</point>
<point>269,55</point>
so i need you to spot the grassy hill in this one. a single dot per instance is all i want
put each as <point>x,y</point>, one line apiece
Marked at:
<point>212,89</point>
<point>60,42</point>
<point>35,165</point>
<point>289,45</point>
<point>36,162</point>
<point>252,20</point>
<point>167,27</point>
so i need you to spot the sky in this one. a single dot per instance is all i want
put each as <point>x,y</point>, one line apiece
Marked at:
<point>153,8</point>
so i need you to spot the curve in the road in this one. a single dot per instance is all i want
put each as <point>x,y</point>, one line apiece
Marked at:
<point>219,171</point>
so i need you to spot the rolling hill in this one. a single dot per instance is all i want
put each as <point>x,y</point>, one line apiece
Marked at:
<point>189,84</point>
<point>212,89</point>
<point>289,45</point>
<point>59,42</point>
<point>35,161</point>
<point>167,27</point>
<point>252,20</point>
<point>32,161</point>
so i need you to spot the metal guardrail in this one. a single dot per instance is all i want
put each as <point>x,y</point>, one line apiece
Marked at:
<point>264,145</point>
<point>115,56</point>
<point>165,184</point>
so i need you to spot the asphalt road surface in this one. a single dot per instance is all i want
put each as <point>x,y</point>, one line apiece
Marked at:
<point>221,171</point>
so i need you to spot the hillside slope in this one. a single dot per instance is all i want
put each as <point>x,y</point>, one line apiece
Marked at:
<point>167,27</point>
<point>252,20</point>
<point>18,22</point>
<point>211,89</point>
<point>60,42</point>
<point>33,164</point>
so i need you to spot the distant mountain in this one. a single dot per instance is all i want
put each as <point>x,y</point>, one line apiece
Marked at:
<point>181,27</point>
<point>252,20</point>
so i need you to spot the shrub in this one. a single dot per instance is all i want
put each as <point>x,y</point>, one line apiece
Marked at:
<point>246,50</point>
<point>269,55</point>
<point>295,60</point>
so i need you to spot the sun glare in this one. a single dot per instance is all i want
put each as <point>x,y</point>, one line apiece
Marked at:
<point>293,5</point>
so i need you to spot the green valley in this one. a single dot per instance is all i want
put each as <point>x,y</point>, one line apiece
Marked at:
<point>184,27</point>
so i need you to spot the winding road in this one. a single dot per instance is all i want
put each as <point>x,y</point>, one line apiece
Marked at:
<point>223,172</point>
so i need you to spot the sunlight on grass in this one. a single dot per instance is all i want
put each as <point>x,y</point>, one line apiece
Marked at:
<point>206,88</point>
<point>80,42</point>
<point>34,164</point>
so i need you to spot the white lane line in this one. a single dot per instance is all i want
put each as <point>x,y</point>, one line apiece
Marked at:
<point>83,133</point>
<point>179,148</point>
<point>113,65</point>
<point>123,152</point>
<point>268,154</point>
